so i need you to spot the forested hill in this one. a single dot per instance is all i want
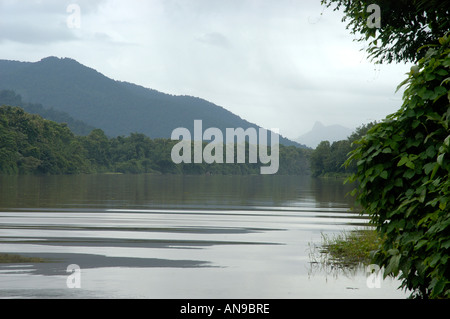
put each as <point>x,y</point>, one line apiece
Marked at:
<point>30,144</point>
<point>8,97</point>
<point>118,108</point>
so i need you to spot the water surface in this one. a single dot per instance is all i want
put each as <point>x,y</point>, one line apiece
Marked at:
<point>146,236</point>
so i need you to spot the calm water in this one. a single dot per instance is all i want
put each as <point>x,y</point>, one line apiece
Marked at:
<point>142,236</point>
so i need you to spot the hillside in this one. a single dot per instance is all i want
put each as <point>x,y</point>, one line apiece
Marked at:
<point>118,108</point>
<point>78,127</point>
<point>320,132</point>
<point>30,144</point>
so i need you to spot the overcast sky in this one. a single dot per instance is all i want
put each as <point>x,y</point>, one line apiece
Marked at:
<point>278,63</point>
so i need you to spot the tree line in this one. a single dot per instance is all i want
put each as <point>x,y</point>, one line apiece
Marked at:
<point>328,159</point>
<point>30,144</point>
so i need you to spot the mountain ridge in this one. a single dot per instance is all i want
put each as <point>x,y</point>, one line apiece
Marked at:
<point>116,107</point>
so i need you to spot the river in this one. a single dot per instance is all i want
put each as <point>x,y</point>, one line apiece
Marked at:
<point>150,236</point>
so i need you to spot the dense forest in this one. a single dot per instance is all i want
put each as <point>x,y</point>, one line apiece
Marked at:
<point>30,144</point>
<point>328,158</point>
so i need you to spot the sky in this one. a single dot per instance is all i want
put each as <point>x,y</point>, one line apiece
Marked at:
<point>281,64</point>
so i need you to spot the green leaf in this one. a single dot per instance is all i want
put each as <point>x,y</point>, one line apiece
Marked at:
<point>446,244</point>
<point>393,251</point>
<point>398,182</point>
<point>436,167</point>
<point>410,165</point>
<point>392,267</point>
<point>403,160</point>
<point>431,151</point>
<point>409,174</point>
<point>428,168</point>
<point>420,244</point>
<point>447,141</point>
<point>438,287</point>
<point>428,95</point>
<point>434,116</point>
<point>410,210</point>
<point>429,76</point>
<point>384,174</point>
<point>435,260</point>
<point>440,159</point>
<point>404,82</point>
<point>439,91</point>
<point>422,196</point>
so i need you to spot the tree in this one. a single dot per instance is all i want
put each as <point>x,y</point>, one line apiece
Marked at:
<point>403,171</point>
<point>338,155</point>
<point>330,159</point>
<point>97,146</point>
<point>403,165</point>
<point>320,157</point>
<point>31,145</point>
<point>405,26</point>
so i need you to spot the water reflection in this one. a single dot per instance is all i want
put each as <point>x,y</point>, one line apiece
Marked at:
<point>171,191</point>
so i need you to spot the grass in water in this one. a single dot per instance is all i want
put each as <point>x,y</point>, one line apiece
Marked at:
<point>16,259</point>
<point>351,248</point>
<point>344,253</point>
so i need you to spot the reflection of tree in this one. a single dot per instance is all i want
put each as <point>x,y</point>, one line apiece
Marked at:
<point>151,190</point>
<point>329,191</point>
<point>178,190</point>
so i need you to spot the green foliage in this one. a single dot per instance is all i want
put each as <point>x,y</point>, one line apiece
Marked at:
<point>32,145</point>
<point>328,159</point>
<point>403,175</point>
<point>293,160</point>
<point>406,25</point>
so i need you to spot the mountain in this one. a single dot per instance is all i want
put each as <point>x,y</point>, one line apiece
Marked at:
<point>118,108</point>
<point>8,97</point>
<point>321,133</point>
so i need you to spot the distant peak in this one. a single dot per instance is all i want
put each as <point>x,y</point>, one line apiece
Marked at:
<point>318,125</point>
<point>49,58</point>
<point>56,59</point>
